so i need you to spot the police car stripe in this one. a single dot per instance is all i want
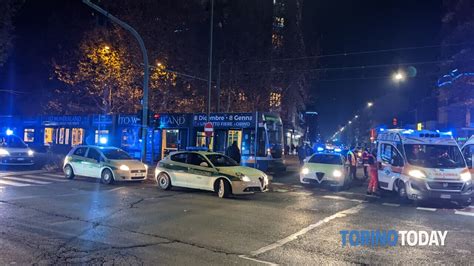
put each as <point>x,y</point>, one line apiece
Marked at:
<point>47,178</point>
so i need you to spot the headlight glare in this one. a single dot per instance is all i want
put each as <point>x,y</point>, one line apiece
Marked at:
<point>465,176</point>
<point>4,152</point>
<point>123,167</point>
<point>305,171</point>
<point>30,153</point>
<point>416,173</point>
<point>337,173</point>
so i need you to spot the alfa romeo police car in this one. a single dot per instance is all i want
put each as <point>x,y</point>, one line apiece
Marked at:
<point>325,169</point>
<point>107,163</point>
<point>209,171</point>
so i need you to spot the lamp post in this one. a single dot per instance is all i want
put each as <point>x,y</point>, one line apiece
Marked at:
<point>211,26</point>
<point>145,76</point>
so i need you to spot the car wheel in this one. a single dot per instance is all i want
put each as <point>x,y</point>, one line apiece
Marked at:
<point>164,181</point>
<point>107,177</point>
<point>69,172</point>
<point>223,188</point>
<point>402,192</point>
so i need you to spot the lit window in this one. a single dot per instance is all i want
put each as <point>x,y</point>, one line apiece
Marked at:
<point>29,135</point>
<point>275,99</point>
<point>279,22</point>
<point>242,97</point>
<point>277,40</point>
<point>77,136</point>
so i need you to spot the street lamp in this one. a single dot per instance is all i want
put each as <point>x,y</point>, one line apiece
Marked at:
<point>370,104</point>
<point>356,116</point>
<point>398,76</point>
<point>107,47</point>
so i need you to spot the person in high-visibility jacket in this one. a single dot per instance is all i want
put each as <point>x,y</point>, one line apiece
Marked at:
<point>373,174</point>
<point>352,161</point>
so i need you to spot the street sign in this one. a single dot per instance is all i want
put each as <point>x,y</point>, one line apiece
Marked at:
<point>208,129</point>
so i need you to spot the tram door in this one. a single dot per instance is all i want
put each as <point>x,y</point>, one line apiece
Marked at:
<point>234,135</point>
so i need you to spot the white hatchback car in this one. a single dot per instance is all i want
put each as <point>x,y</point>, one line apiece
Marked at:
<point>13,151</point>
<point>107,163</point>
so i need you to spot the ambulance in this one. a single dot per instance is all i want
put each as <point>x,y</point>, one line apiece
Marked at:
<point>468,152</point>
<point>423,165</point>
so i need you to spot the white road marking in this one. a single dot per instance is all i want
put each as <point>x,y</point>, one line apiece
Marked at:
<point>255,260</point>
<point>13,183</point>
<point>278,184</point>
<point>281,190</point>
<point>53,175</point>
<point>25,180</point>
<point>464,213</point>
<point>426,209</point>
<point>47,178</point>
<point>391,204</point>
<point>297,186</point>
<point>305,230</point>
<point>342,198</point>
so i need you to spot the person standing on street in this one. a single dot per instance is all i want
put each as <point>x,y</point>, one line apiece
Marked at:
<point>233,152</point>
<point>301,154</point>
<point>373,173</point>
<point>352,161</point>
<point>365,162</point>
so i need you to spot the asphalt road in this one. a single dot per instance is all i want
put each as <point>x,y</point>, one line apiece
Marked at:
<point>46,219</point>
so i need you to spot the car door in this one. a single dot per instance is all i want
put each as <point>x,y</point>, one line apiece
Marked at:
<point>468,152</point>
<point>93,163</point>
<point>199,171</point>
<point>78,159</point>
<point>178,169</point>
<point>390,165</point>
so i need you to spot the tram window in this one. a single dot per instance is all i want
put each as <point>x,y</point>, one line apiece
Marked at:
<point>77,136</point>
<point>261,143</point>
<point>248,142</point>
<point>48,135</point>
<point>201,140</point>
<point>29,135</point>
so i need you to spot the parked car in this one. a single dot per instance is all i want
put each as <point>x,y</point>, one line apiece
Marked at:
<point>209,171</point>
<point>13,151</point>
<point>107,163</point>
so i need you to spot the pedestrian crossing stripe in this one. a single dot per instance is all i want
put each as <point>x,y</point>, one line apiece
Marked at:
<point>13,183</point>
<point>53,175</point>
<point>21,179</point>
<point>42,177</point>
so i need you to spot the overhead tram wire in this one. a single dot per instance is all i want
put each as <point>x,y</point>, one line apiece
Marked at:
<point>354,53</point>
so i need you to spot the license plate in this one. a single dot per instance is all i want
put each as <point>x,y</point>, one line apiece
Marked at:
<point>20,159</point>
<point>138,174</point>
<point>445,196</point>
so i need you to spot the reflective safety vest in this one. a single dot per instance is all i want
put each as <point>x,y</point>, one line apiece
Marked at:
<point>352,158</point>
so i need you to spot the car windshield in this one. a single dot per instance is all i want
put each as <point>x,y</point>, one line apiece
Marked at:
<point>11,142</point>
<point>326,159</point>
<point>219,160</point>
<point>434,156</point>
<point>116,154</point>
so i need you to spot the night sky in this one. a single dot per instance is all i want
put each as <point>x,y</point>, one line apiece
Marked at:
<point>337,26</point>
<point>352,26</point>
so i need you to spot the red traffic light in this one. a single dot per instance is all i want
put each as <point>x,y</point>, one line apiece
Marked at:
<point>394,121</point>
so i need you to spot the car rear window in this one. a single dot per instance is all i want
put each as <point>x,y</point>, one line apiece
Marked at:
<point>180,157</point>
<point>81,151</point>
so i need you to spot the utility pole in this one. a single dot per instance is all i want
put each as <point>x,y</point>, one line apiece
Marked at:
<point>146,74</point>
<point>210,68</point>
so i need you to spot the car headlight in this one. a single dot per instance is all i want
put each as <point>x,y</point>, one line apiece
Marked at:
<point>305,171</point>
<point>465,176</point>
<point>337,173</point>
<point>30,153</point>
<point>4,152</point>
<point>416,173</point>
<point>123,167</point>
<point>243,177</point>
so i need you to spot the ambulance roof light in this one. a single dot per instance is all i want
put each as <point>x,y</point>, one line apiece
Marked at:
<point>9,132</point>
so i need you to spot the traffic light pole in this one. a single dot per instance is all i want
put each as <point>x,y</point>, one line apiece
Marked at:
<point>137,36</point>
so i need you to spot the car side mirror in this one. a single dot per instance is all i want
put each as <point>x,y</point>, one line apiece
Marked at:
<point>204,164</point>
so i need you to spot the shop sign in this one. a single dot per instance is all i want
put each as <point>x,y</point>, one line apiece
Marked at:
<point>173,120</point>
<point>129,120</point>
<point>65,120</point>
<point>225,120</point>
<point>102,119</point>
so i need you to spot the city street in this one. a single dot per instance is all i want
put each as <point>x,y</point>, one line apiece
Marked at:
<point>47,219</point>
